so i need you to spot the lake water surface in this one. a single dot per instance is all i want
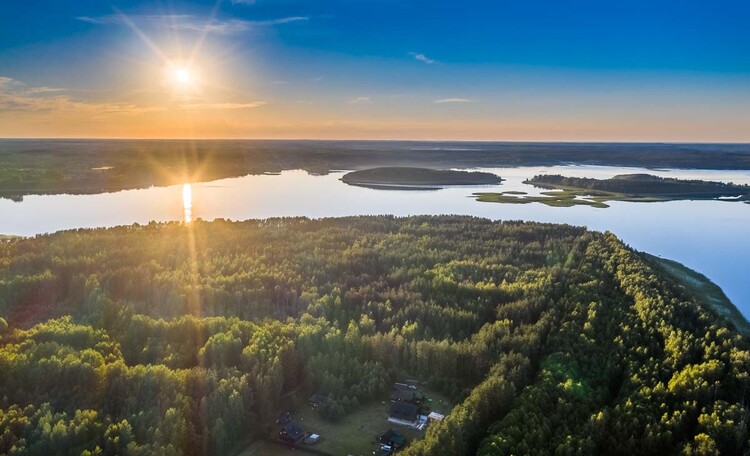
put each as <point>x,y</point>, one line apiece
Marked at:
<point>708,236</point>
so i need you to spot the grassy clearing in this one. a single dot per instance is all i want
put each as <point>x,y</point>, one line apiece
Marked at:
<point>699,286</point>
<point>355,434</point>
<point>562,198</point>
<point>263,448</point>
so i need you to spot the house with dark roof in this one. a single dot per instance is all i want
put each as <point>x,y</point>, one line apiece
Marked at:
<point>392,439</point>
<point>404,413</point>
<point>404,396</point>
<point>401,386</point>
<point>292,433</point>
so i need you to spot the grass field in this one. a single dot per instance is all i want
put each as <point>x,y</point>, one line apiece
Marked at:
<point>563,198</point>
<point>354,434</point>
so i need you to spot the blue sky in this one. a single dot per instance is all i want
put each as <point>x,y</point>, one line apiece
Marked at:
<point>568,70</point>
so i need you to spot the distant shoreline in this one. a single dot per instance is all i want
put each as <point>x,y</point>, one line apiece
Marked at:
<point>364,140</point>
<point>30,167</point>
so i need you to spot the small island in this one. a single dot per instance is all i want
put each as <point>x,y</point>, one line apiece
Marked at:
<point>584,191</point>
<point>408,178</point>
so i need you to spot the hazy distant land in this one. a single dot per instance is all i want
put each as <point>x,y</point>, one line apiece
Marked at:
<point>583,191</point>
<point>412,178</point>
<point>95,166</point>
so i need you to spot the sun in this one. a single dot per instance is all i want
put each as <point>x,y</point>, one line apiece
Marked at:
<point>182,76</point>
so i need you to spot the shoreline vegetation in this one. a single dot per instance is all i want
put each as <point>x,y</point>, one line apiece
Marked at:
<point>703,289</point>
<point>412,178</point>
<point>97,166</point>
<point>643,188</point>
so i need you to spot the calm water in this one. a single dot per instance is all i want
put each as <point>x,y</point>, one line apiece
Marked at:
<point>708,236</point>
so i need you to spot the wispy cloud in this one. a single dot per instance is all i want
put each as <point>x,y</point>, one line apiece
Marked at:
<point>18,97</point>
<point>15,96</point>
<point>10,85</point>
<point>281,20</point>
<point>190,23</point>
<point>453,100</point>
<point>360,100</point>
<point>244,2</point>
<point>44,89</point>
<point>422,58</point>
<point>91,20</point>
<point>250,105</point>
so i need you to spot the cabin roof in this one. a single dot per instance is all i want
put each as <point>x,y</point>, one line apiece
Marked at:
<point>390,436</point>
<point>404,411</point>
<point>400,386</point>
<point>293,430</point>
<point>403,396</point>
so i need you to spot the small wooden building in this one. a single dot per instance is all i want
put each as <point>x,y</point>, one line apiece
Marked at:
<point>292,433</point>
<point>404,413</point>
<point>392,439</point>
<point>404,396</point>
<point>402,386</point>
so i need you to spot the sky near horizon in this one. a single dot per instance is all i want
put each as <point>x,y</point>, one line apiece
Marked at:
<point>377,69</point>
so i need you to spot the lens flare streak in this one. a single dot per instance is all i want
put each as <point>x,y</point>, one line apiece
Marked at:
<point>187,202</point>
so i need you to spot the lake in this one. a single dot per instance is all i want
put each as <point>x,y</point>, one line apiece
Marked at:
<point>708,236</point>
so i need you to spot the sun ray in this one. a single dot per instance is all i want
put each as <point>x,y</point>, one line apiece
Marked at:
<point>132,25</point>
<point>202,39</point>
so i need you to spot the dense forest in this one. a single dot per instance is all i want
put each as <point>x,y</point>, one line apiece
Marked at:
<point>405,177</point>
<point>93,166</point>
<point>176,338</point>
<point>643,184</point>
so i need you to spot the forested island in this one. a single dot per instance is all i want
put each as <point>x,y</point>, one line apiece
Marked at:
<point>412,178</point>
<point>192,338</point>
<point>644,185</point>
<point>95,166</point>
<point>570,191</point>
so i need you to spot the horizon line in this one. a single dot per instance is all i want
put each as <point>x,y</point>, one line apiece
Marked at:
<point>507,141</point>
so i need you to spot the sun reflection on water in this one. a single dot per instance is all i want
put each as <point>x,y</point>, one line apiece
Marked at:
<point>187,202</point>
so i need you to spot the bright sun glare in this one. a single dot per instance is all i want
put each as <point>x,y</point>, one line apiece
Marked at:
<point>182,76</point>
<point>187,202</point>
